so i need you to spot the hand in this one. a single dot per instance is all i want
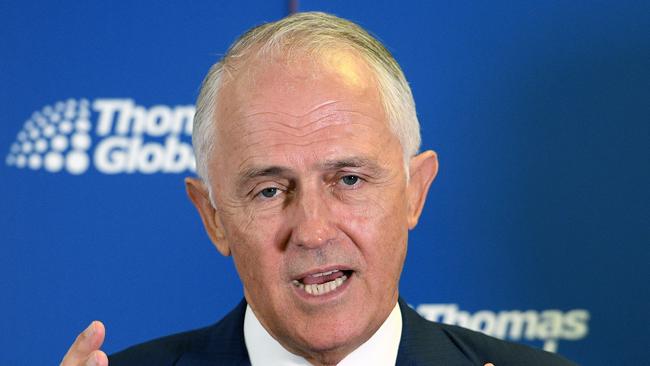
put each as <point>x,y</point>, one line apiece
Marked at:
<point>85,349</point>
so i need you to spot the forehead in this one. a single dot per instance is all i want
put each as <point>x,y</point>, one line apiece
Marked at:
<point>294,82</point>
<point>275,105</point>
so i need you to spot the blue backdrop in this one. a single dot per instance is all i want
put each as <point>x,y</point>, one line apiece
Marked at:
<point>536,230</point>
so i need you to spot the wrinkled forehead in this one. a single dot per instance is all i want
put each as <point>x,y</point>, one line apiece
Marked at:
<point>274,77</point>
<point>334,94</point>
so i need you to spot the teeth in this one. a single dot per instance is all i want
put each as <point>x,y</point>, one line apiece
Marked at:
<point>321,289</point>
<point>324,273</point>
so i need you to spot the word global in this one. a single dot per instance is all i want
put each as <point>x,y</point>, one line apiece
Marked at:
<point>124,138</point>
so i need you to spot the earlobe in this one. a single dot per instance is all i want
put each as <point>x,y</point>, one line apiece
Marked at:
<point>198,194</point>
<point>422,169</point>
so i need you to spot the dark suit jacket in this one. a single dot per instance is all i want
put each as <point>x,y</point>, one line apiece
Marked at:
<point>422,343</point>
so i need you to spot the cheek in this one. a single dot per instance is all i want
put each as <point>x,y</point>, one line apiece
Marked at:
<point>256,253</point>
<point>379,228</point>
<point>380,208</point>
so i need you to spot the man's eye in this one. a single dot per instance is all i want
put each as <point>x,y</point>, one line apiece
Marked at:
<point>269,192</point>
<point>350,180</point>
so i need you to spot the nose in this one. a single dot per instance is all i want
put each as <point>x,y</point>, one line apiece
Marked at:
<point>312,221</point>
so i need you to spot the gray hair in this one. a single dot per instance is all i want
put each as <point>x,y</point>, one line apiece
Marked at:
<point>313,32</point>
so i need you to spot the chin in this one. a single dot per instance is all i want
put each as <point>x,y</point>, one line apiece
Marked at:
<point>334,336</point>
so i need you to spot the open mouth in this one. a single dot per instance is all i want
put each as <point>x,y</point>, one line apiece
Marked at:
<point>322,283</point>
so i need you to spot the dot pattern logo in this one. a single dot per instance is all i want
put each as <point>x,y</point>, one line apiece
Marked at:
<point>56,138</point>
<point>107,135</point>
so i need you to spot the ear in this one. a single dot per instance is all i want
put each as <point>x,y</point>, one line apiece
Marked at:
<point>422,169</point>
<point>198,194</point>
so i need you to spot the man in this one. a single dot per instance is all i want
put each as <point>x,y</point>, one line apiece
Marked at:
<point>307,140</point>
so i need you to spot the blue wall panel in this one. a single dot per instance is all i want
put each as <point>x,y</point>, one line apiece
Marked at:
<point>539,112</point>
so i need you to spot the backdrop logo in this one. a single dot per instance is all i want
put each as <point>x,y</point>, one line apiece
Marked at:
<point>548,326</point>
<point>112,135</point>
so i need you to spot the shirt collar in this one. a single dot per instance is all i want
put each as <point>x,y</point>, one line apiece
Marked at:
<point>380,349</point>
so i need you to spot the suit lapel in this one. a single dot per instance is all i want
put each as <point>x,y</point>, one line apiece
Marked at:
<point>212,359</point>
<point>425,343</point>
<point>225,344</point>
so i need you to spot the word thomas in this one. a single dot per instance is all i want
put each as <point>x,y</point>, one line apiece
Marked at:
<point>548,326</point>
<point>124,126</point>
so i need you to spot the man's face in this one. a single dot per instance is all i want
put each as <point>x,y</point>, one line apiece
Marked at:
<point>311,200</point>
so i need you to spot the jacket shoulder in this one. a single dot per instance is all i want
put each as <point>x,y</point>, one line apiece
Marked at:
<point>223,341</point>
<point>499,352</point>
<point>430,343</point>
<point>162,351</point>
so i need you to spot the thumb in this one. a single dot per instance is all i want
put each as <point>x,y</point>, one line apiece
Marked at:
<point>88,341</point>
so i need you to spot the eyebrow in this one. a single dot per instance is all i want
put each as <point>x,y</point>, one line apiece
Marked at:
<point>353,162</point>
<point>279,171</point>
<point>256,172</point>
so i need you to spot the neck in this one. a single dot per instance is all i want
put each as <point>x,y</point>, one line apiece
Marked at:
<point>379,345</point>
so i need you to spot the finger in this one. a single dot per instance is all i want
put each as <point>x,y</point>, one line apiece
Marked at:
<point>89,340</point>
<point>489,364</point>
<point>96,358</point>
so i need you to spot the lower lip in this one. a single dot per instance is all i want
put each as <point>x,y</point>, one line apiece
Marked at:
<point>326,297</point>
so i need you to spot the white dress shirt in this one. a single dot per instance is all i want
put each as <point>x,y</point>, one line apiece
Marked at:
<point>379,350</point>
